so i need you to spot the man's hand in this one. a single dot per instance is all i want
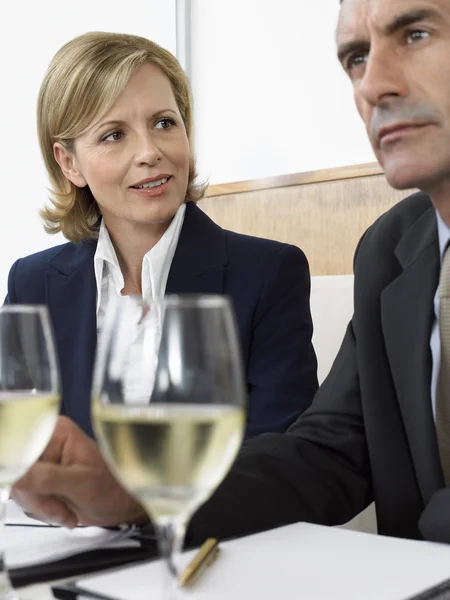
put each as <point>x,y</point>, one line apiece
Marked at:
<point>71,484</point>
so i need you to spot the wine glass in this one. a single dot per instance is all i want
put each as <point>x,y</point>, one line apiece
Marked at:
<point>29,401</point>
<point>169,407</point>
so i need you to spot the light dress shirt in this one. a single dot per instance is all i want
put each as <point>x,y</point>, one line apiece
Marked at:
<point>140,345</point>
<point>435,342</point>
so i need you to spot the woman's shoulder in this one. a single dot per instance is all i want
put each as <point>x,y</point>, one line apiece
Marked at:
<point>63,257</point>
<point>259,248</point>
<point>240,246</point>
<point>44,257</point>
<point>27,276</point>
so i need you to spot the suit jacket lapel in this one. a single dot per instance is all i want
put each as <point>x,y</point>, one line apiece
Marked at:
<point>197,267</point>
<point>200,257</point>
<point>407,317</point>
<point>71,297</point>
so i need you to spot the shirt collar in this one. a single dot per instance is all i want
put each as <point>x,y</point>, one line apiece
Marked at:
<point>155,265</point>
<point>157,261</point>
<point>106,261</point>
<point>105,249</point>
<point>443,234</point>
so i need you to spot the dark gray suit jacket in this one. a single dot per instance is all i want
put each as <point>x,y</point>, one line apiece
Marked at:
<point>369,434</point>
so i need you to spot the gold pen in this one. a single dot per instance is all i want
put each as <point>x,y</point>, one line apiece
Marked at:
<point>205,556</point>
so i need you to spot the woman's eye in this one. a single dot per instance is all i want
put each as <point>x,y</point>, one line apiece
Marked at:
<point>115,136</point>
<point>165,123</point>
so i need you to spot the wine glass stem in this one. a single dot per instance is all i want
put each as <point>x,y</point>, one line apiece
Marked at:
<point>170,540</point>
<point>6,590</point>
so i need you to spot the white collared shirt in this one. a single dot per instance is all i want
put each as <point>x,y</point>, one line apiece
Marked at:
<point>143,349</point>
<point>155,266</point>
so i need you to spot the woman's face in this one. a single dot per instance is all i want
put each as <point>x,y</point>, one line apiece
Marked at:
<point>135,160</point>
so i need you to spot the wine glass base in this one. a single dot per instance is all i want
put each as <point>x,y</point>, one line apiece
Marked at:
<point>7,592</point>
<point>10,594</point>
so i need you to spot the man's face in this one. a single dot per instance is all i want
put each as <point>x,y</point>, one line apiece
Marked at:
<point>397,55</point>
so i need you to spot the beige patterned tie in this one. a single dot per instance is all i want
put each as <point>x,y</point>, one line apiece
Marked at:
<point>443,387</point>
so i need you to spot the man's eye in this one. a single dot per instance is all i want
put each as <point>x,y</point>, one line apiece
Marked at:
<point>416,36</point>
<point>115,136</point>
<point>356,60</point>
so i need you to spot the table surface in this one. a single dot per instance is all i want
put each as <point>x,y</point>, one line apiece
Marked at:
<point>36,592</point>
<point>290,562</point>
<point>356,564</point>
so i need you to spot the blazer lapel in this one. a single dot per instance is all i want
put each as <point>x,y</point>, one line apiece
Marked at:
<point>197,267</point>
<point>407,317</point>
<point>71,297</point>
<point>200,257</point>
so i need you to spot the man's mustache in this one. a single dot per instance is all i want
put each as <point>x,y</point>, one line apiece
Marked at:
<point>401,112</point>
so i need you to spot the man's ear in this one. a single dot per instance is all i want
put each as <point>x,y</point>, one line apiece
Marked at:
<point>67,161</point>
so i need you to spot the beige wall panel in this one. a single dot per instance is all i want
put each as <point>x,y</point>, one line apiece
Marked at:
<point>324,219</point>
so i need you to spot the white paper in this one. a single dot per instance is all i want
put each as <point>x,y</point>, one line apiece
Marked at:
<point>27,546</point>
<point>30,542</point>
<point>296,562</point>
<point>15,515</point>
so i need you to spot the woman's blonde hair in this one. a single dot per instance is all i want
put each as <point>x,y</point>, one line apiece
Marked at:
<point>83,81</point>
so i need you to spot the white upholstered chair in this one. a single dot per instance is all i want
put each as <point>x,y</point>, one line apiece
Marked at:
<point>332,308</point>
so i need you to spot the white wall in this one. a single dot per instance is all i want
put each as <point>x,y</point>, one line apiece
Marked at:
<point>31,34</point>
<point>270,96</point>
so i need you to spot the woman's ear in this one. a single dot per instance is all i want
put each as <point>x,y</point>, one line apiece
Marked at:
<point>68,164</point>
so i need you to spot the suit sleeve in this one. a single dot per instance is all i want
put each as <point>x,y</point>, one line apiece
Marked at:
<point>11,294</point>
<point>317,472</point>
<point>282,366</point>
<point>434,523</point>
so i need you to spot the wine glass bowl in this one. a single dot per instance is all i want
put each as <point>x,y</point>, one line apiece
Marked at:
<point>169,405</point>
<point>29,399</point>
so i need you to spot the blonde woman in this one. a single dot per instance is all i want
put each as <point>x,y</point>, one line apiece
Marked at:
<point>115,125</point>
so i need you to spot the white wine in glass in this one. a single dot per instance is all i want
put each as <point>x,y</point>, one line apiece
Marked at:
<point>29,401</point>
<point>169,407</point>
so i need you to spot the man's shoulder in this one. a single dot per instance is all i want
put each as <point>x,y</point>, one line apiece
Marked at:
<point>387,231</point>
<point>411,221</point>
<point>403,215</point>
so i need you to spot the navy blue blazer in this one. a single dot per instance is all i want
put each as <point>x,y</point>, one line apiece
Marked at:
<point>268,282</point>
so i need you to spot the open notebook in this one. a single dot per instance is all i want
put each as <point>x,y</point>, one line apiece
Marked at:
<point>298,561</point>
<point>36,551</point>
